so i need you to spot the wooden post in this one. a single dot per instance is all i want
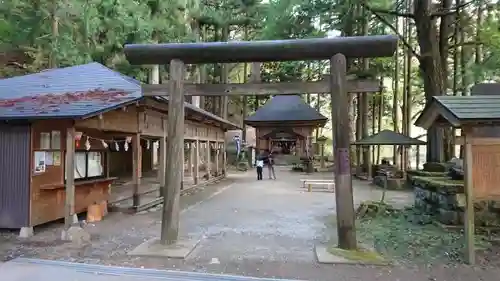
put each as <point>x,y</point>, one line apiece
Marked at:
<point>217,155</point>
<point>341,131</point>
<point>369,164</point>
<point>70,178</point>
<point>224,159</point>
<point>469,195</point>
<point>190,159</point>
<point>322,155</point>
<point>137,164</point>
<point>163,159</point>
<point>175,154</point>
<point>418,157</point>
<point>196,171</point>
<point>183,158</point>
<point>208,160</point>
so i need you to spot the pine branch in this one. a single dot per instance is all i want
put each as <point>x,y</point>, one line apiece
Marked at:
<point>391,12</point>
<point>388,24</point>
<point>452,10</point>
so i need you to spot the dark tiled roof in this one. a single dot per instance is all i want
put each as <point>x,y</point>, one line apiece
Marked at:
<point>387,137</point>
<point>69,92</point>
<point>485,89</point>
<point>286,108</point>
<point>479,107</point>
<point>74,92</point>
<point>455,110</point>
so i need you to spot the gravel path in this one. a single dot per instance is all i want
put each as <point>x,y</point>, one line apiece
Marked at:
<point>257,228</point>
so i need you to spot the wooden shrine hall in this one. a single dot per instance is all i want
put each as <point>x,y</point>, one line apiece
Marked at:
<point>285,125</point>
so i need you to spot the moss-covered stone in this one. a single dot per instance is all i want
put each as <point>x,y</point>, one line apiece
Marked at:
<point>360,255</point>
<point>436,167</point>
<point>439,184</point>
<point>425,173</point>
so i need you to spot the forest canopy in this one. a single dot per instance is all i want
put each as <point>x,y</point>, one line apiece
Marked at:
<point>445,47</point>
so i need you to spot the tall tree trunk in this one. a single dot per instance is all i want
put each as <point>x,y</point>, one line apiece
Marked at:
<point>463,60</point>
<point>479,23</point>
<point>224,76</point>
<point>203,68</point>
<point>431,71</point>
<point>55,34</point>
<point>395,100</point>
<point>408,88</point>
<point>245,98</point>
<point>381,106</point>
<point>364,97</point>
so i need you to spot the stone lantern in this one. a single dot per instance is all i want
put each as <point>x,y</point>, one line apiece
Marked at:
<point>321,142</point>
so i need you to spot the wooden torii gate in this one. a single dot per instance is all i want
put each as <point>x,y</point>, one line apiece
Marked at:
<point>334,49</point>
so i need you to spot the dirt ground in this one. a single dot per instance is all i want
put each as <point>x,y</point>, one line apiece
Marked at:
<point>256,228</point>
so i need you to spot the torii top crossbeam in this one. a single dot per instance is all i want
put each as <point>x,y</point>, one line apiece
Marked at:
<point>263,51</point>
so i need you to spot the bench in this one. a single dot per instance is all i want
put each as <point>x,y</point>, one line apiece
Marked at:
<point>330,184</point>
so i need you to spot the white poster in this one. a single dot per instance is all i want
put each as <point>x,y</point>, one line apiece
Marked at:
<point>39,161</point>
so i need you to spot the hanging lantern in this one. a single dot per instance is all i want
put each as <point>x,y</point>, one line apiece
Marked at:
<point>87,144</point>
<point>78,136</point>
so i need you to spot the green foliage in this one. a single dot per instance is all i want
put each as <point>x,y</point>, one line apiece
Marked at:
<point>399,236</point>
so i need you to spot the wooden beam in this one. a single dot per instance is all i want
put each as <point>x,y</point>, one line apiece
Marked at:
<point>262,88</point>
<point>346,229</point>
<point>469,198</point>
<point>175,155</point>
<point>263,51</point>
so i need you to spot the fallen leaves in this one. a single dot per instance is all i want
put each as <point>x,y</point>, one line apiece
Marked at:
<point>45,103</point>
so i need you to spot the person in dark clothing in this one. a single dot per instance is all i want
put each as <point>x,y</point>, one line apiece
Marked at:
<point>259,164</point>
<point>270,165</point>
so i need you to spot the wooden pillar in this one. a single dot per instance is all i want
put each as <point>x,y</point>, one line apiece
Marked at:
<point>196,168</point>
<point>183,157</point>
<point>322,155</point>
<point>469,195</point>
<point>162,157</point>
<point>224,158</point>
<point>369,164</point>
<point>341,131</point>
<point>217,155</point>
<point>137,170</point>
<point>190,159</point>
<point>175,154</point>
<point>208,160</point>
<point>418,157</point>
<point>69,210</point>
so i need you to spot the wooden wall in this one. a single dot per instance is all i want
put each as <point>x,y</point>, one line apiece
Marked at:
<point>47,188</point>
<point>263,144</point>
<point>485,175</point>
<point>47,192</point>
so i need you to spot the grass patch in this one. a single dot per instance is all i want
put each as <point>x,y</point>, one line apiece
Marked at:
<point>399,236</point>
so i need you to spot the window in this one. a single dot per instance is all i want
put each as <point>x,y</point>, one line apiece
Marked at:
<point>88,164</point>
<point>50,140</point>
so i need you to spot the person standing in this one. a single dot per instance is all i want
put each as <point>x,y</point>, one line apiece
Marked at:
<point>270,165</point>
<point>259,164</point>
